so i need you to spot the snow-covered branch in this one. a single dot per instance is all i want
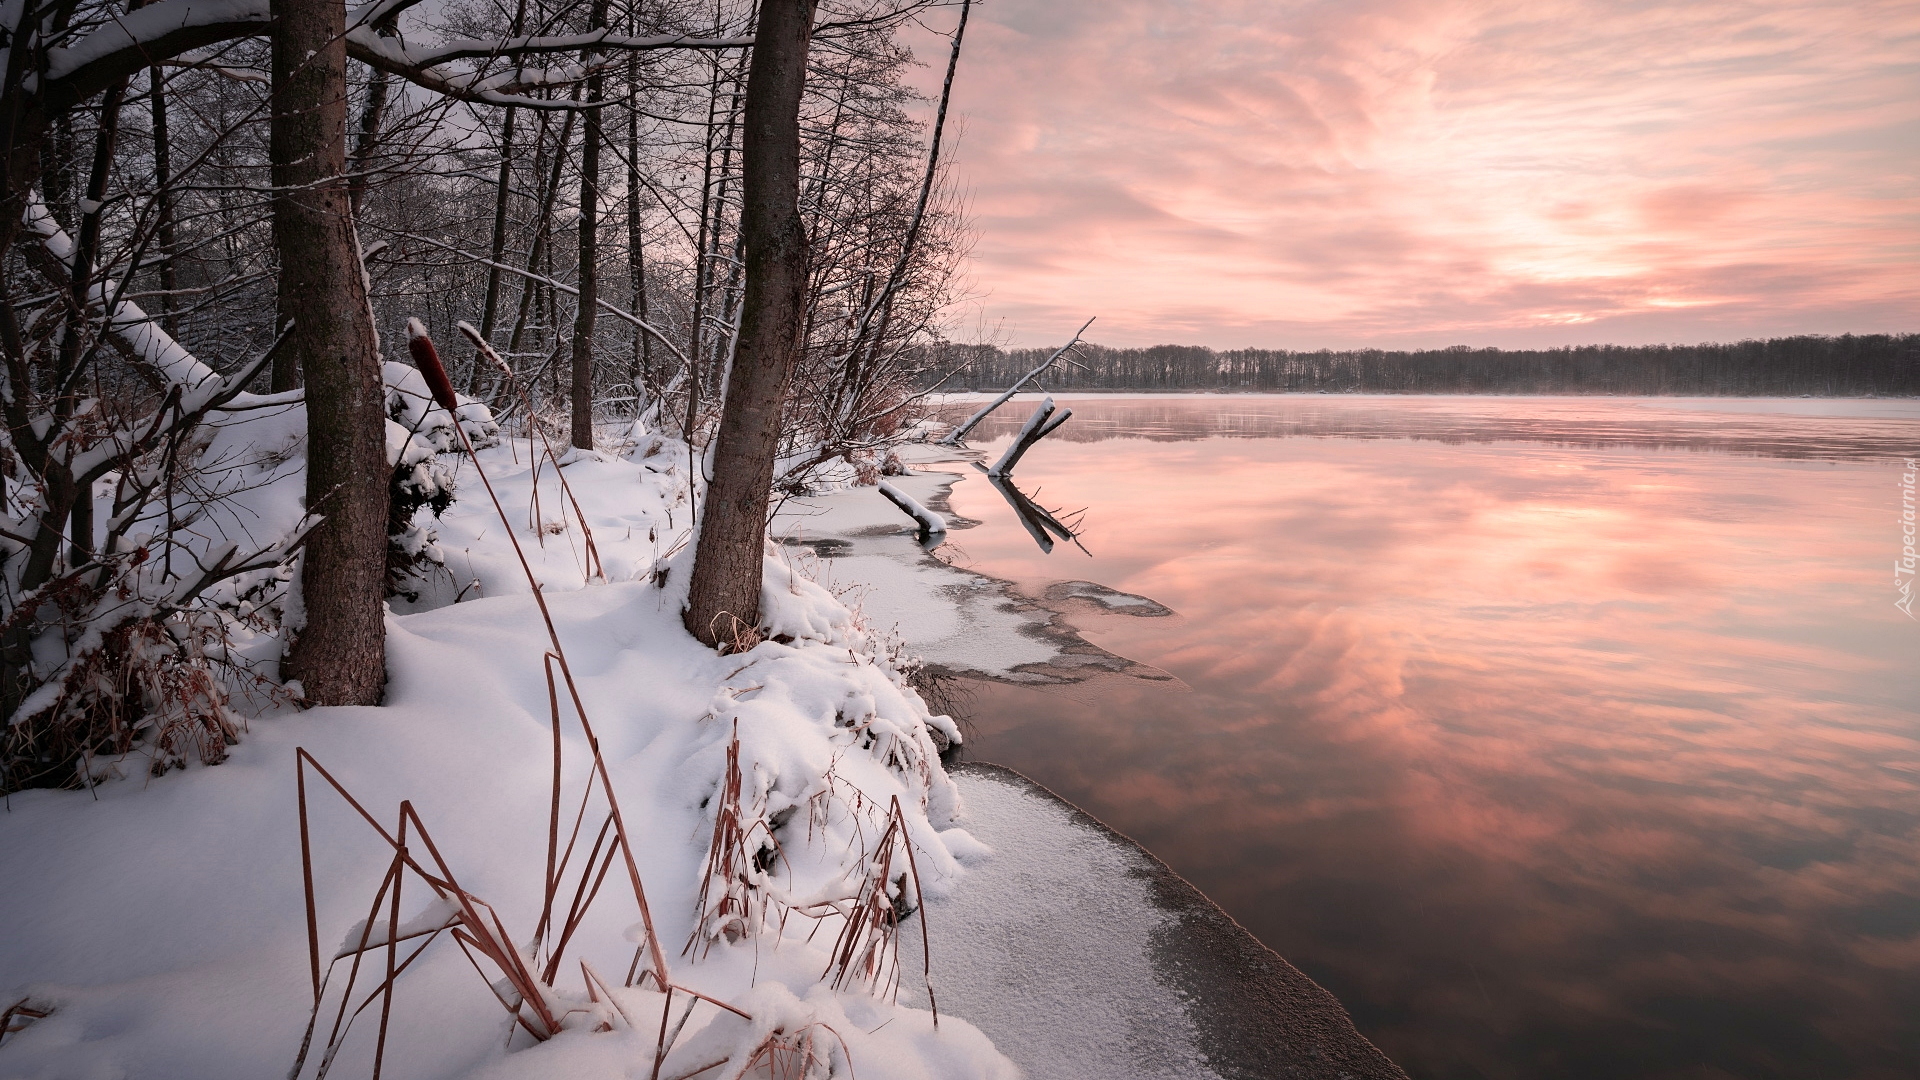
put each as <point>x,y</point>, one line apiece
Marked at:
<point>391,49</point>
<point>158,32</point>
<point>147,344</point>
<point>930,522</point>
<point>953,437</point>
<point>184,408</point>
<point>1037,427</point>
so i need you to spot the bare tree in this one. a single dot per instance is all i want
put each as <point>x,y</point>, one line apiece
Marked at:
<point>589,306</point>
<point>340,655</point>
<point>236,199</point>
<point>723,603</point>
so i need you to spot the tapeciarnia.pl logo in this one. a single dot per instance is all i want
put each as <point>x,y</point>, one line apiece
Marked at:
<point>1903,567</point>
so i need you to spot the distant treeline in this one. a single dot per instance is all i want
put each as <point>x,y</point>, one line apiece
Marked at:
<point>1824,366</point>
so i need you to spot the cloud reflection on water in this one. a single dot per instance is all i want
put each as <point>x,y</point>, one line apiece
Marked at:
<point>1549,760</point>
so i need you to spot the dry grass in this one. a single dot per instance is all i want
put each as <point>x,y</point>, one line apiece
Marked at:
<point>736,901</point>
<point>158,688</point>
<point>19,1015</point>
<point>533,1002</point>
<point>734,904</point>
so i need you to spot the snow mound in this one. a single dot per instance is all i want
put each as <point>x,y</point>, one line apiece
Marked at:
<point>774,800</point>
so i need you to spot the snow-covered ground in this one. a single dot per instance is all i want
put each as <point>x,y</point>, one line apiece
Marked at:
<point>856,541</point>
<point>1056,912</point>
<point>159,921</point>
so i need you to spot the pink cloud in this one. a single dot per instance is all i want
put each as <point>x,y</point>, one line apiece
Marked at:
<point>1321,173</point>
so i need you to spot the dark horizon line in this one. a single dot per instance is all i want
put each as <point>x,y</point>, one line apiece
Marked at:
<point>1894,335</point>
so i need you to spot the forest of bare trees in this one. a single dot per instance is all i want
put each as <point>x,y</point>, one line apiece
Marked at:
<point>1849,365</point>
<point>211,210</point>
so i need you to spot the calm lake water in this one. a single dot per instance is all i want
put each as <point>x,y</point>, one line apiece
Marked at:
<point>1557,737</point>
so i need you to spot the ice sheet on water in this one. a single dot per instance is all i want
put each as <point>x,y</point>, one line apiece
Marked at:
<point>1045,946</point>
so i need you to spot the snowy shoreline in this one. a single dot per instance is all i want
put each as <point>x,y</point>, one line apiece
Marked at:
<point>157,920</point>
<point>1085,957</point>
<point>1081,954</point>
<point>959,621</point>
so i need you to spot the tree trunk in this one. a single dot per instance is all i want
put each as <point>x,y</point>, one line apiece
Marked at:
<point>163,197</point>
<point>582,403</point>
<point>641,372</point>
<point>723,604</point>
<point>340,655</point>
<point>497,253</point>
<point>371,115</point>
<point>76,345</point>
<point>697,326</point>
<point>549,190</point>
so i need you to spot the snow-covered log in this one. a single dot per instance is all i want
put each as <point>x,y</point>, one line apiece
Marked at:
<point>930,522</point>
<point>1044,419</point>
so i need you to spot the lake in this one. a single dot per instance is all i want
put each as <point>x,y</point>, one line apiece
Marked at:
<point>1558,737</point>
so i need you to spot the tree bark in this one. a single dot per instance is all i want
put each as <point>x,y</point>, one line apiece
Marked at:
<point>497,253</point>
<point>589,307</point>
<point>641,372</point>
<point>723,603</point>
<point>549,191</point>
<point>371,116</point>
<point>163,197</point>
<point>76,346</point>
<point>340,655</point>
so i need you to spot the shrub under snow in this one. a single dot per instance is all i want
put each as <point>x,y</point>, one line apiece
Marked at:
<point>785,807</point>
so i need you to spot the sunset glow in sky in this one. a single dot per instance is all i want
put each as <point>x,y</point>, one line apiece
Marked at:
<point>1404,173</point>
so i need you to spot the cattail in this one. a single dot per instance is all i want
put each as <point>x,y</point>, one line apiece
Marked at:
<point>428,361</point>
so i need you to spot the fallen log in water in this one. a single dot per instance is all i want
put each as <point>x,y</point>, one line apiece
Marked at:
<point>1037,427</point>
<point>953,437</point>
<point>931,524</point>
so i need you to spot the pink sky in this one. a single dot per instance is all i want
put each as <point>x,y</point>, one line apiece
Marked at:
<point>1312,173</point>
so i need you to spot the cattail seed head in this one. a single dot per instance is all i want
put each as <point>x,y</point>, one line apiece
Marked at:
<point>428,361</point>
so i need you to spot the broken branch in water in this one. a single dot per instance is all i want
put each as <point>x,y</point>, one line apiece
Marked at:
<point>953,437</point>
<point>1036,428</point>
<point>931,524</point>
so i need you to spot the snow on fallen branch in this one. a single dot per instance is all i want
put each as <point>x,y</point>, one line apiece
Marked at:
<point>930,523</point>
<point>1037,427</point>
<point>953,437</point>
<point>146,342</point>
<point>186,405</point>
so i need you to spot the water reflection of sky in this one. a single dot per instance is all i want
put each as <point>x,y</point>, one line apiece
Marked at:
<point>1552,752</point>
